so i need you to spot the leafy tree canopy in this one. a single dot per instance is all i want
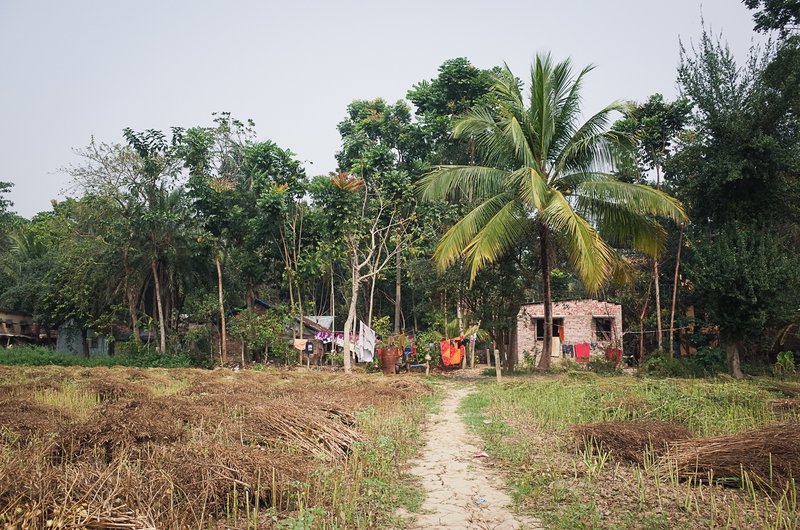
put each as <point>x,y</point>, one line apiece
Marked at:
<point>780,15</point>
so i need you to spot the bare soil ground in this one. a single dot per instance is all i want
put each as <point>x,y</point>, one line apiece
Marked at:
<point>462,490</point>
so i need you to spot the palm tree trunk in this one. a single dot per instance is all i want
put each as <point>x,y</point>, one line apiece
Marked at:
<point>397,293</point>
<point>547,343</point>
<point>472,340</point>
<point>291,302</point>
<point>656,278</point>
<point>333,304</point>
<point>160,306</point>
<point>300,307</point>
<point>460,317</point>
<point>85,342</point>
<point>641,322</point>
<point>223,345</point>
<point>675,294</point>
<point>130,298</point>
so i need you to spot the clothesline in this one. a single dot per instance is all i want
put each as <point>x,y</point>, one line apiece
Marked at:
<point>654,330</point>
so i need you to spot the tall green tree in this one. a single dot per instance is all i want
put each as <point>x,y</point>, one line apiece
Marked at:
<point>738,172</point>
<point>655,126</point>
<point>544,174</point>
<point>780,15</point>
<point>382,145</point>
<point>157,170</point>
<point>746,278</point>
<point>458,87</point>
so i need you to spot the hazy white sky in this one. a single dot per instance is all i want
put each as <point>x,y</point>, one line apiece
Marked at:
<point>73,69</point>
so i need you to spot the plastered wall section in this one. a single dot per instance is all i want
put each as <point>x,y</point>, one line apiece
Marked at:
<point>579,325</point>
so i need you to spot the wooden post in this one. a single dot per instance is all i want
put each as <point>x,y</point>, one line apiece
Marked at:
<point>497,369</point>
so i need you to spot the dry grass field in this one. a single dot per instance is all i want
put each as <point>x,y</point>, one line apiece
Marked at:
<point>121,448</point>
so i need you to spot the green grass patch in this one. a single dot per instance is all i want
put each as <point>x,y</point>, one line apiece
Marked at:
<point>38,356</point>
<point>707,407</point>
<point>524,425</point>
<point>70,397</point>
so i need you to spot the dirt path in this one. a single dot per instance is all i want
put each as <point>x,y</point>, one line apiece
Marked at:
<point>460,490</point>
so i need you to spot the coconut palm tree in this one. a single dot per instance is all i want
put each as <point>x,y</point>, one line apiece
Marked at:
<point>546,176</point>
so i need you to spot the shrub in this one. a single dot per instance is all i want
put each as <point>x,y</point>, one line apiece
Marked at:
<point>703,363</point>
<point>600,365</point>
<point>784,365</point>
<point>709,361</point>
<point>663,366</point>
<point>570,365</point>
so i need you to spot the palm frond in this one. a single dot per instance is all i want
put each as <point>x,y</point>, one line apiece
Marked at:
<point>533,187</point>
<point>567,183</point>
<point>517,138</point>
<point>473,181</point>
<point>542,105</point>
<point>568,104</point>
<point>588,253</point>
<point>459,237</point>
<point>590,145</point>
<point>637,198</point>
<point>621,226</point>
<point>474,122</point>
<point>498,235</point>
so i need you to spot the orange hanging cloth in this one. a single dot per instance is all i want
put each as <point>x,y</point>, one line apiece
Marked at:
<point>456,351</point>
<point>445,347</point>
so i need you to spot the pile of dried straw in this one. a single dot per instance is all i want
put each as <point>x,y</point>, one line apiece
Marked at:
<point>769,456</point>
<point>630,440</point>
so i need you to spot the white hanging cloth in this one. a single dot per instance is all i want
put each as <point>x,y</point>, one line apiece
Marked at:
<point>366,343</point>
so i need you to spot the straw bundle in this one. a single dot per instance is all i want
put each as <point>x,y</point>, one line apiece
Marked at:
<point>631,441</point>
<point>769,457</point>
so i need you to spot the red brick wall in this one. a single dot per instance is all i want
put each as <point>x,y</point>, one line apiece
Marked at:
<point>579,326</point>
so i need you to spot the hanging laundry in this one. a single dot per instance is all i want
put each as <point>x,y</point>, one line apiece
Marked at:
<point>360,341</point>
<point>370,339</point>
<point>582,352</point>
<point>365,346</point>
<point>568,350</point>
<point>444,345</point>
<point>452,351</point>
<point>299,344</point>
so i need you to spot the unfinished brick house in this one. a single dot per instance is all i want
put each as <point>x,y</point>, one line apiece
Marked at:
<point>580,328</point>
<point>16,327</point>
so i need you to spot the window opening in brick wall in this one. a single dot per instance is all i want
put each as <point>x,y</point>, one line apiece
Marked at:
<point>603,327</point>
<point>558,328</point>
